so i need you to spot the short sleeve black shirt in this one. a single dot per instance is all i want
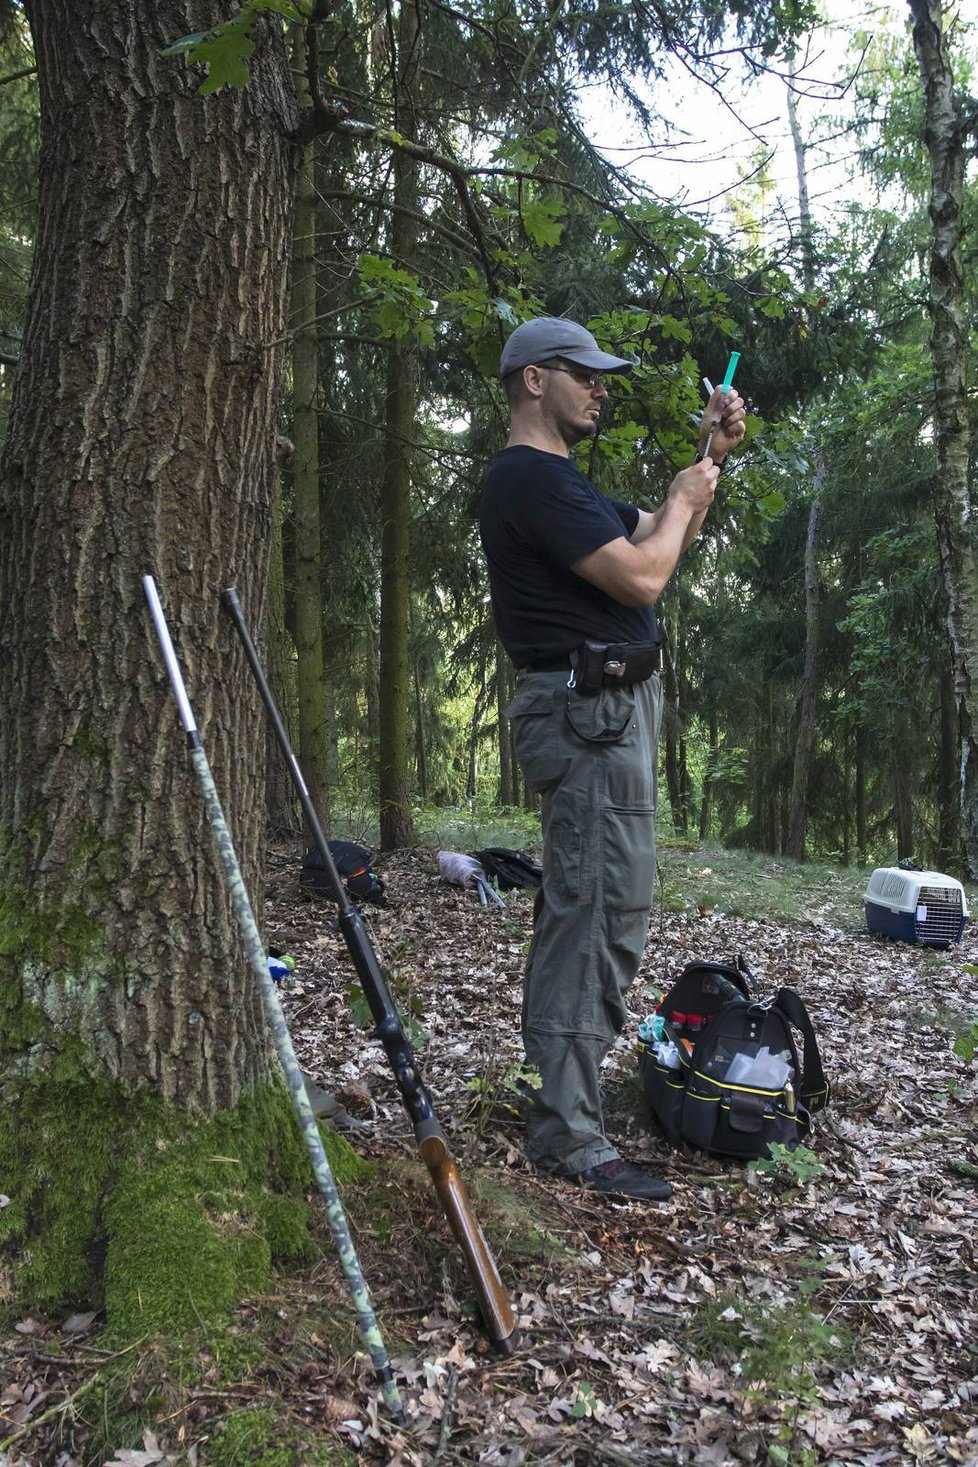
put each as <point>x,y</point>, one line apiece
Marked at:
<point>538,514</point>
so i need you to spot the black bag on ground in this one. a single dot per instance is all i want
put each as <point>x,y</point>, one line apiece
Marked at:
<point>352,863</point>
<point>727,1077</point>
<point>509,869</point>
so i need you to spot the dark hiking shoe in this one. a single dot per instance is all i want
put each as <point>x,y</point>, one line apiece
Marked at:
<point>617,1179</point>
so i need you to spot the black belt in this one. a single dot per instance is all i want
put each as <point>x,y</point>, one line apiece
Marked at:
<point>607,663</point>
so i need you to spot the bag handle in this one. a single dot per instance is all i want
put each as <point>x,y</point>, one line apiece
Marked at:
<point>815,1088</point>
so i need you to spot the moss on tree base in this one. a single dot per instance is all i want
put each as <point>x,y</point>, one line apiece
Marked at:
<point>162,1218</point>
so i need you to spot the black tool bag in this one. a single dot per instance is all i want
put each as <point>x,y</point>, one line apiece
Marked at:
<point>727,1076</point>
<point>509,869</point>
<point>352,864</point>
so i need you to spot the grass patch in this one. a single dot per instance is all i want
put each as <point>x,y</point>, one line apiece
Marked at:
<point>775,1348</point>
<point>706,879</point>
<point>473,827</point>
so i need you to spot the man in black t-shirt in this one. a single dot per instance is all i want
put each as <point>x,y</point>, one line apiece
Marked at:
<point>571,571</point>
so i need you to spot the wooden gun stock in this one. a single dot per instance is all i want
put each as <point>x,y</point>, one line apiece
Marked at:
<point>492,1298</point>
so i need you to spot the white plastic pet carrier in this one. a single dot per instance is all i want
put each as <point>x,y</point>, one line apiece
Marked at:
<point>916,906</point>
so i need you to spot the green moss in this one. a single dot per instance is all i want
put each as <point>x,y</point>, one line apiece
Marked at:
<point>283,1222</point>
<point>236,1354</point>
<point>164,1218</point>
<point>255,1438</point>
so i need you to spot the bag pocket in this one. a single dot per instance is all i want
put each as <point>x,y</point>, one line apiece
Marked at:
<point>665,1090</point>
<point>736,1120</point>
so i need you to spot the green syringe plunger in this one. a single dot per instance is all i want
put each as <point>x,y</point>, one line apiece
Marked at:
<point>727,382</point>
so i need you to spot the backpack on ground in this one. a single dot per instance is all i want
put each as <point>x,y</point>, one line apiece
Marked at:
<point>721,1069</point>
<point>509,869</point>
<point>352,863</point>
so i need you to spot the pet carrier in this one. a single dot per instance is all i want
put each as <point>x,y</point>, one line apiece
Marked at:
<point>916,906</point>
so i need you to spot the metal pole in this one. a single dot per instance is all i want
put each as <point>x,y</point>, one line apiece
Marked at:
<point>338,1225</point>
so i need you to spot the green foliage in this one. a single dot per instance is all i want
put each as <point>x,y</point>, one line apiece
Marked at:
<point>586,1401</point>
<point>966,1043</point>
<point>776,1348</point>
<point>226,50</point>
<point>410,1006</point>
<point>401,306</point>
<point>798,1165</point>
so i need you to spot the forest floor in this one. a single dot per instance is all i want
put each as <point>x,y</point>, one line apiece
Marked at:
<point>823,1312</point>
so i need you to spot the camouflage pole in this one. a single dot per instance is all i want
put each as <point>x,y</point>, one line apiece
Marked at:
<point>338,1225</point>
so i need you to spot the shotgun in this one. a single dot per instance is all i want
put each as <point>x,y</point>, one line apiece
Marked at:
<point>241,903</point>
<point>493,1300</point>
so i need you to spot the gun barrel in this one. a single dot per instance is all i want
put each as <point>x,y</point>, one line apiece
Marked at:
<point>492,1297</point>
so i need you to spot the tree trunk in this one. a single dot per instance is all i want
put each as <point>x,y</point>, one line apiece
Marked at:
<point>805,741</point>
<point>859,779</point>
<point>670,735</point>
<point>948,856</point>
<point>945,133</point>
<point>396,824</point>
<point>709,778</point>
<point>421,762</point>
<point>280,802</point>
<point>142,438</point>
<point>902,801</point>
<point>308,575</point>
<point>507,787</point>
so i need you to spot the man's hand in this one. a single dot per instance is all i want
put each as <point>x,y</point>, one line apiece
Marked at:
<point>725,414</point>
<point>694,487</point>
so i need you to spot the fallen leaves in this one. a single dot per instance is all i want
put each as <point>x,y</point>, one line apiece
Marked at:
<point>875,1253</point>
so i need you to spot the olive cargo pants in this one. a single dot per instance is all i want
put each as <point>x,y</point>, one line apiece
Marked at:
<point>592,760</point>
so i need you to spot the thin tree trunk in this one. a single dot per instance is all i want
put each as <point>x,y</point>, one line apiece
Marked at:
<point>670,735</point>
<point>709,778</point>
<point>859,780</point>
<point>949,853</point>
<point>945,133</point>
<point>280,802</point>
<point>308,576</point>
<point>396,824</point>
<point>421,763</point>
<point>902,801</point>
<point>805,741</point>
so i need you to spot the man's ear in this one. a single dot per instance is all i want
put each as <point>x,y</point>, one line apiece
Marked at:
<point>533,380</point>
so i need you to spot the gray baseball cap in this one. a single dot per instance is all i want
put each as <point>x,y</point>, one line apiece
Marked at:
<point>548,336</point>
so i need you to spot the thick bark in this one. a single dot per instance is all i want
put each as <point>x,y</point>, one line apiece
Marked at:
<point>954,511</point>
<point>948,856</point>
<point>142,439</point>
